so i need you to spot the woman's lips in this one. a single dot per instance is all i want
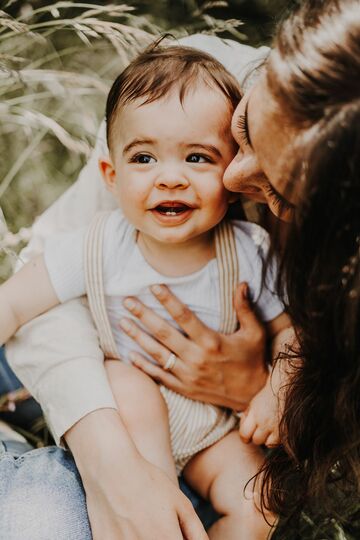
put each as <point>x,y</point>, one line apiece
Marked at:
<point>254,194</point>
<point>250,189</point>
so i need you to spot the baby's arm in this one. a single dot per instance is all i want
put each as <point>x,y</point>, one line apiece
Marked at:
<point>260,422</point>
<point>24,296</point>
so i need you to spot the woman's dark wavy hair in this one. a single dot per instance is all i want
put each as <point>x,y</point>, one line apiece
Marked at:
<point>314,75</point>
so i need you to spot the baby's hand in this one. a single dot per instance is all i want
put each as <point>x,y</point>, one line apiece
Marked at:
<point>260,421</point>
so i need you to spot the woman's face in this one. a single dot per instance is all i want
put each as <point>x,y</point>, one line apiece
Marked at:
<point>261,169</point>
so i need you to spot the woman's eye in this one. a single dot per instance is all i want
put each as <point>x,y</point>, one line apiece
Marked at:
<point>278,200</point>
<point>197,158</point>
<point>143,159</point>
<point>243,129</point>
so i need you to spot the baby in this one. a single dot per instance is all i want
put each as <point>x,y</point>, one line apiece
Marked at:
<point>168,130</point>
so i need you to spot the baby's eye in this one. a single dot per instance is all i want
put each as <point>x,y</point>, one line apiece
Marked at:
<point>143,159</point>
<point>198,158</point>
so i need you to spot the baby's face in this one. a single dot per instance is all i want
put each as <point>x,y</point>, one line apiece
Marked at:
<point>168,164</point>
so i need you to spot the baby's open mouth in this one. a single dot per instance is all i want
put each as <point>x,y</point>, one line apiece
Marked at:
<point>172,208</point>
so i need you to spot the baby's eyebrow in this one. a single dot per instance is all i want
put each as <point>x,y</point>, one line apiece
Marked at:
<point>137,142</point>
<point>208,147</point>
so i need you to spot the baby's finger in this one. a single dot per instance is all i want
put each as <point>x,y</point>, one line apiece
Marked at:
<point>260,435</point>
<point>272,440</point>
<point>248,426</point>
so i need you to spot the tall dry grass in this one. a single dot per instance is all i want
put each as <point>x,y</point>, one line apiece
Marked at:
<point>56,63</point>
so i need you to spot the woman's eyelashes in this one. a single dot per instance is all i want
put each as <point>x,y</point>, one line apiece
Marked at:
<point>279,202</point>
<point>243,129</point>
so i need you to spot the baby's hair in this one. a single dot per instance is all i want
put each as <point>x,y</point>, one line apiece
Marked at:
<point>153,74</point>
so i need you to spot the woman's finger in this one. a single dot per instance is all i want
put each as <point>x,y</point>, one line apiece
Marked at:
<point>161,330</point>
<point>167,378</point>
<point>191,528</point>
<point>182,315</point>
<point>150,345</point>
<point>244,309</point>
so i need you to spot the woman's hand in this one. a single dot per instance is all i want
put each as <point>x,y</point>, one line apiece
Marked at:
<point>126,496</point>
<point>226,370</point>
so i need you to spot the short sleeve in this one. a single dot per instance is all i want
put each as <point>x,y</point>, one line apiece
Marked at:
<point>63,255</point>
<point>259,269</point>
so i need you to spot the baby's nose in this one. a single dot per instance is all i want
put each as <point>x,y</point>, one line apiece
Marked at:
<point>171,181</point>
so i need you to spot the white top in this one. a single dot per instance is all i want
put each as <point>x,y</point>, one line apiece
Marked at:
<point>57,355</point>
<point>126,272</point>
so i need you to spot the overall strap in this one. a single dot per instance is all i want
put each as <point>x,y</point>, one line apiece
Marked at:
<point>93,266</point>
<point>228,268</point>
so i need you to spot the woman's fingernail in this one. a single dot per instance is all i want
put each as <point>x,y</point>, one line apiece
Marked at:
<point>157,289</point>
<point>125,324</point>
<point>246,291</point>
<point>133,357</point>
<point>129,303</point>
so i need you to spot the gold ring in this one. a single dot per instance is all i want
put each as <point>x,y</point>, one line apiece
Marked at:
<point>170,362</point>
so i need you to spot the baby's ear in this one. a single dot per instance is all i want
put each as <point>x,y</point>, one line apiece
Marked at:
<point>107,172</point>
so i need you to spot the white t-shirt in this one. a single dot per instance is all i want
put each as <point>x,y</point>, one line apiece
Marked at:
<point>127,273</point>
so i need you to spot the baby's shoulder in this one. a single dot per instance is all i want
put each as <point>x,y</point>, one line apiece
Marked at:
<point>250,237</point>
<point>117,228</point>
<point>119,237</point>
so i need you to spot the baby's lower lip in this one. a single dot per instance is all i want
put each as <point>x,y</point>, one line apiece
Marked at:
<point>170,216</point>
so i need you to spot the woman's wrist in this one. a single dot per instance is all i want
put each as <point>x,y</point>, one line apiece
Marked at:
<point>97,439</point>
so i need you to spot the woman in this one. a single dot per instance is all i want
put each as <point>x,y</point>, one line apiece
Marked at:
<point>301,125</point>
<point>298,131</point>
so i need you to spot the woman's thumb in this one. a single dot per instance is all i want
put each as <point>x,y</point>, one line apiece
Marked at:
<point>243,307</point>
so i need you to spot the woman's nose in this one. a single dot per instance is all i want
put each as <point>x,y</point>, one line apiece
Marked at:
<point>242,172</point>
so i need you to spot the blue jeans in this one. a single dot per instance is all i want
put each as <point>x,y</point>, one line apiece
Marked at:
<point>41,493</point>
<point>42,498</point>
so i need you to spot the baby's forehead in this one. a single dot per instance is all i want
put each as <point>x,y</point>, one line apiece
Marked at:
<point>195,101</point>
<point>201,114</point>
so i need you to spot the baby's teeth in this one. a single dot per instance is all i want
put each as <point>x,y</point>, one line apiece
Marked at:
<point>170,213</point>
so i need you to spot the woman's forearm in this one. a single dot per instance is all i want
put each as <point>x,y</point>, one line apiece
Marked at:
<point>58,359</point>
<point>95,439</point>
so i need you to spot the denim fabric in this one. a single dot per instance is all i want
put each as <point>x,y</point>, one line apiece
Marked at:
<point>41,495</point>
<point>27,414</point>
<point>8,379</point>
<point>203,508</point>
